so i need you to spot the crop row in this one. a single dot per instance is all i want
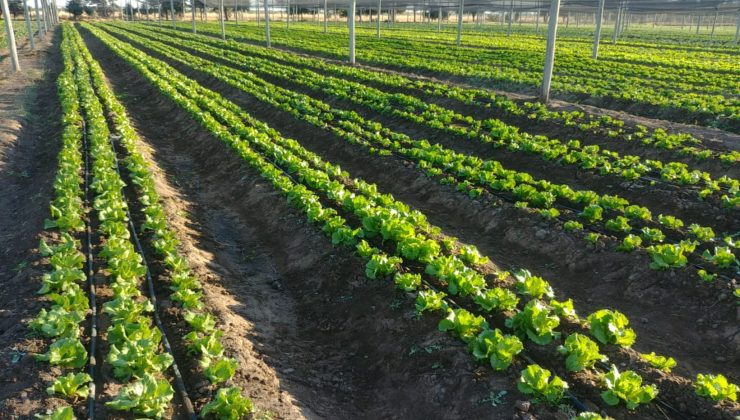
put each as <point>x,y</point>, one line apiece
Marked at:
<point>573,75</point>
<point>685,144</point>
<point>133,341</point>
<point>473,175</point>
<point>325,193</point>
<point>493,132</point>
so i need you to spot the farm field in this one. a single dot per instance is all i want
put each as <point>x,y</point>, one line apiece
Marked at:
<point>208,228</point>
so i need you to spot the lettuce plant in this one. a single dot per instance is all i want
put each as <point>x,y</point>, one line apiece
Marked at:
<point>582,352</point>
<point>70,385</point>
<point>610,327</point>
<point>537,381</point>
<point>716,387</point>
<point>228,404</point>
<point>659,362</point>
<point>463,323</point>
<point>147,396</point>
<point>496,348</point>
<point>536,321</point>
<point>626,386</point>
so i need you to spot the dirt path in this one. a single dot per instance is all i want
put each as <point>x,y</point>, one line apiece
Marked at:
<point>314,338</point>
<point>29,143</point>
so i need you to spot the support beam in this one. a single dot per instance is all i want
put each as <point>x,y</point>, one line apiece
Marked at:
<point>698,24</point>
<point>377,21</point>
<point>714,22</point>
<point>221,19</point>
<point>287,15</point>
<point>439,19</point>
<point>351,24</point>
<point>40,27</point>
<point>460,22</point>
<point>27,16</point>
<point>326,15</point>
<point>511,18</point>
<point>267,24</point>
<point>597,35</point>
<point>552,31</point>
<point>737,30</point>
<point>192,16</point>
<point>615,34</point>
<point>172,10</point>
<point>10,35</point>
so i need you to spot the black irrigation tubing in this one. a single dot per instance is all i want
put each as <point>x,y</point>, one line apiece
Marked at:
<point>179,382</point>
<point>92,390</point>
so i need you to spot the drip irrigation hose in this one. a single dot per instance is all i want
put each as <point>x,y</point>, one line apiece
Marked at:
<point>179,382</point>
<point>92,390</point>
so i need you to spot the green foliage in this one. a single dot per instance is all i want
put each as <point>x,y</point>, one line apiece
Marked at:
<point>229,403</point>
<point>70,385</point>
<point>582,352</point>
<point>408,282</point>
<point>659,362</point>
<point>496,298</point>
<point>430,301</point>
<point>381,265</point>
<point>61,413</point>
<point>221,370</point>
<point>536,321</point>
<point>610,327</point>
<point>537,382</point>
<point>722,257</point>
<point>496,348</point>
<point>626,386</point>
<point>715,387</point>
<point>464,324</point>
<point>68,352</point>
<point>533,286</point>
<point>630,243</point>
<point>146,396</point>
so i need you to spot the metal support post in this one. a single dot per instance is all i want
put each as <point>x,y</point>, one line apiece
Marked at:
<point>552,31</point>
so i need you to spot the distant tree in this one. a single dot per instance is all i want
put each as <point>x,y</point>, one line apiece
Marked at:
<point>16,8</point>
<point>75,8</point>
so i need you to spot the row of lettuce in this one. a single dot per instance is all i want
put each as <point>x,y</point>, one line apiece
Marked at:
<point>634,226</point>
<point>587,124</point>
<point>705,97</point>
<point>398,242</point>
<point>135,353</point>
<point>489,131</point>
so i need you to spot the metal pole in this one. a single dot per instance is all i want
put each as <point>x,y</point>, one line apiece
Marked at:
<point>287,15</point>
<point>236,12</point>
<point>552,31</point>
<point>511,18</point>
<point>616,24</point>
<point>221,18</point>
<point>377,22</point>
<point>460,22</point>
<point>42,32</point>
<point>737,30</point>
<point>172,10</point>
<point>351,23</point>
<point>192,13</point>
<point>11,36</point>
<point>714,23</point>
<point>267,24</point>
<point>326,17</point>
<point>439,19</point>
<point>28,24</point>
<point>597,35</point>
<point>698,24</point>
<point>47,23</point>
